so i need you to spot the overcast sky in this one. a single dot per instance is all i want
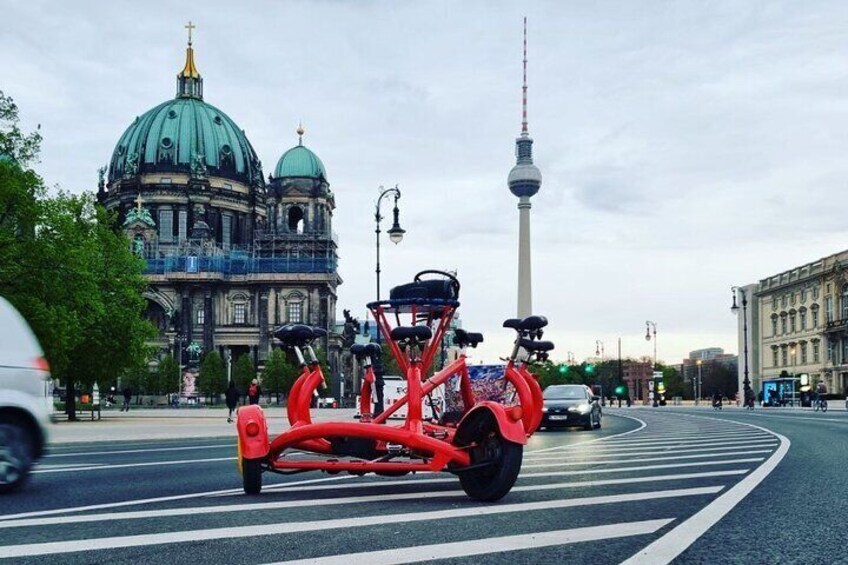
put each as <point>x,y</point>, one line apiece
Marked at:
<point>685,146</point>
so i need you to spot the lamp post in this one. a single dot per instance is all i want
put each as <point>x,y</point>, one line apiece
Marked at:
<point>569,357</point>
<point>395,232</point>
<point>746,383</point>
<point>599,349</point>
<point>697,386</point>
<point>178,345</point>
<point>395,236</point>
<point>648,325</point>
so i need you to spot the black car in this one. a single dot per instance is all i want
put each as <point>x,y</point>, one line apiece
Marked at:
<point>570,405</point>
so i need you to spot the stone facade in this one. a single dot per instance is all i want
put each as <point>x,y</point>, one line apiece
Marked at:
<point>798,323</point>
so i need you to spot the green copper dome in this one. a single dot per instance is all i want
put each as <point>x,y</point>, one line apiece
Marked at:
<point>186,135</point>
<point>300,162</point>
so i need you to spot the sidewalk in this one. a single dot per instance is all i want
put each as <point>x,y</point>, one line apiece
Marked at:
<point>159,424</point>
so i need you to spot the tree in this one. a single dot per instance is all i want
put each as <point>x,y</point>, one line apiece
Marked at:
<point>673,381</point>
<point>243,372</point>
<point>279,375</point>
<point>212,379</point>
<point>168,376</point>
<point>65,264</point>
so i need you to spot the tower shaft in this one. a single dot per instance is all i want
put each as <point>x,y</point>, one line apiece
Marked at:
<point>525,286</point>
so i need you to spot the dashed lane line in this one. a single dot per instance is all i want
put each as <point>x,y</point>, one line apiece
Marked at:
<point>257,530</point>
<point>345,500</point>
<point>468,548</point>
<point>676,541</point>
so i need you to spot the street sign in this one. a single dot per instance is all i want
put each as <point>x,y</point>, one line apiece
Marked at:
<point>658,374</point>
<point>651,387</point>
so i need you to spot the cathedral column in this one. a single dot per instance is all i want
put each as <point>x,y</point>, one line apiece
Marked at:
<point>208,320</point>
<point>262,318</point>
<point>185,315</point>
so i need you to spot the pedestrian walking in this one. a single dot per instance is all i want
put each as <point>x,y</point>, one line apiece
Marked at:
<point>125,407</point>
<point>254,392</point>
<point>232,395</point>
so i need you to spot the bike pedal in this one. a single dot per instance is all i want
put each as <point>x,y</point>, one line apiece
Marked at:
<point>394,448</point>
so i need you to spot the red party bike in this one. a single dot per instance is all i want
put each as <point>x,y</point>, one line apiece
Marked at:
<point>481,442</point>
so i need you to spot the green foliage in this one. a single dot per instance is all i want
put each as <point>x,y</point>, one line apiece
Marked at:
<point>673,381</point>
<point>168,377</point>
<point>212,379</point>
<point>243,372</point>
<point>23,148</point>
<point>65,264</point>
<point>279,375</point>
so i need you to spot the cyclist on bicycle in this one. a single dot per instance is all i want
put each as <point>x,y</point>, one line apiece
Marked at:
<point>716,398</point>
<point>821,391</point>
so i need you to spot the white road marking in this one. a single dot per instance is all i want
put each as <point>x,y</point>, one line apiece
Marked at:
<point>467,548</point>
<point>257,530</point>
<point>125,503</point>
<point>624,447</point>
<point>339,501</point>
<point>642,425</point>
<point>59,466</point>
<point>152,450</point>
<point>666,449</point>
<point>672,544</point>
<point>101,466</point>
<point>712,437</point>
<point>644,459</point>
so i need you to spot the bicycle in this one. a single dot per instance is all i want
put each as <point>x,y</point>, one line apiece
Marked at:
<point>821,404</point>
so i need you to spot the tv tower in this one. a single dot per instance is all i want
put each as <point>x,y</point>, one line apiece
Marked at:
<point>524,181</point>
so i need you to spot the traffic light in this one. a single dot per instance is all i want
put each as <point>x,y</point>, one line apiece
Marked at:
<point>619,390</point>
<point>590,369</point>
<point>563,369</point>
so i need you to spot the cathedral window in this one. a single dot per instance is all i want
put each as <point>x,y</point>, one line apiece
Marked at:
<point>227,230</point>
<point>166,226</point>
<point>240,313</point>
<point>845,302</point>
<point>296,219</point>
<point>295,312</point>
<point>201,316</point>
<point>183,224</point>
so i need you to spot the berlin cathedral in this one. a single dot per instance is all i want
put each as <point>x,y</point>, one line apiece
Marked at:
<point>229,254</point>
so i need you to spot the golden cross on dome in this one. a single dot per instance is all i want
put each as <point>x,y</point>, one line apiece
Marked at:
<point>190,27</point>
<point>138,202</point>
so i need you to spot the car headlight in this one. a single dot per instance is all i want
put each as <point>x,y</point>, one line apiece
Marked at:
<point>544,408</point>
<point>584,408</point>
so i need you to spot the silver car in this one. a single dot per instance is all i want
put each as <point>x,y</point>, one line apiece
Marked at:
<point>26,399</point>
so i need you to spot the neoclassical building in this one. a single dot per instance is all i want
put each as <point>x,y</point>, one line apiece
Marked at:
<point>229,254</point>
<point>798,323</point>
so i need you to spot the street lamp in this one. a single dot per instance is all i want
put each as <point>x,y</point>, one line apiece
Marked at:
<point>178,345</point>
<point>395,236</point>
<point>395,232</point>
<point>648,325</point>
<point>697,388</point>
<point>569,358</point>
<point>746,383</point>
<point>599,349</point>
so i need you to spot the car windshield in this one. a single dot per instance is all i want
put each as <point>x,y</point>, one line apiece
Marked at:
<point>564,392</point>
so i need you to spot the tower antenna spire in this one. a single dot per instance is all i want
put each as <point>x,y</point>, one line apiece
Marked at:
<point>524,86</point>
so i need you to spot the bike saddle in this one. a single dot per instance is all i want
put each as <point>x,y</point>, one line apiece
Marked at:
<point>463,338</point>
<point>535,346</point>
<point>527,324</point>
<point>295,334</point>
<point>362,350</point>
<point>417,333</point>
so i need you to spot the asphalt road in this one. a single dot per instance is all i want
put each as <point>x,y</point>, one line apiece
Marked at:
<point>656,485</point>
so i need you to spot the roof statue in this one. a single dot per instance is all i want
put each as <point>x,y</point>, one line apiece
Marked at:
<point>139,214</point>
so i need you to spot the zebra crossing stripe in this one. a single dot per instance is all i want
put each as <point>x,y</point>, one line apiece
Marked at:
<point>280,528</point>
<point>279,505</point>
<point>468,548</point>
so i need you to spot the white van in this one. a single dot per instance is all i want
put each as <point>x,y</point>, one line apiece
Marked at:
<point>26,399</point>
<point>395,387</point>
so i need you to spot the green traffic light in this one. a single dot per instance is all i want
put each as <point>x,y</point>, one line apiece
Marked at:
<point>619,390</point>
<point>563,369</point>
<point>590,369</point>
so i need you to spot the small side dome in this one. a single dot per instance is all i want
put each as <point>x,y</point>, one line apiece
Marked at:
<point>300,162</point>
